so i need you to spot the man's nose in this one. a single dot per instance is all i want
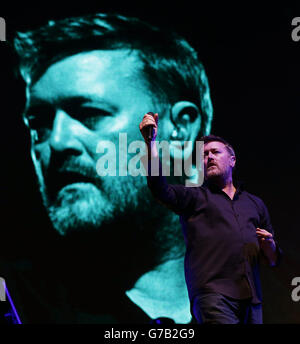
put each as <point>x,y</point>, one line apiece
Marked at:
<point>64,134</point>
<point>210,156</point>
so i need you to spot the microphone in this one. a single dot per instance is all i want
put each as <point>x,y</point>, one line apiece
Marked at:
<point>150,129</point>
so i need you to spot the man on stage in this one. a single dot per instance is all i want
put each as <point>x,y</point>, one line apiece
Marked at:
<point>226,230</point>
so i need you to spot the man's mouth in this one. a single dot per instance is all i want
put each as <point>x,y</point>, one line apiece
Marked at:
<point>59,180</point>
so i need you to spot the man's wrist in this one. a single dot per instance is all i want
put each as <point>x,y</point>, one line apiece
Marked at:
<point>271,253</point>
<point>152,149</point>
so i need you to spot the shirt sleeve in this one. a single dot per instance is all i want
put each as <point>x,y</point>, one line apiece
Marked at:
<point>178,198</point>
<point>265,223</point>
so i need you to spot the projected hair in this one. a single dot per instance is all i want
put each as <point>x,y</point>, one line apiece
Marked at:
<point>170,65</point>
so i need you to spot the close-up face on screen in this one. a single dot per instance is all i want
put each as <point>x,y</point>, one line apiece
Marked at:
<point>149,166</point>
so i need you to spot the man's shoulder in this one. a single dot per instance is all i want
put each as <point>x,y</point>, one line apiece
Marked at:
<point>255,199</point>
<point>190,191</point>
<point>189,187</point>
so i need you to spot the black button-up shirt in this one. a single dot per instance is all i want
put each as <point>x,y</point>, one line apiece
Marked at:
<point>222,249</point>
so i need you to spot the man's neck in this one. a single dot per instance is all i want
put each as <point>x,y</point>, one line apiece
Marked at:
<point>226,185</point>
<point>91,257</point>
<point>162,292</point>
<point>229,189</point>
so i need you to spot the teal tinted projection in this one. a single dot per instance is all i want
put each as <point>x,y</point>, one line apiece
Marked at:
<point>90,80</point>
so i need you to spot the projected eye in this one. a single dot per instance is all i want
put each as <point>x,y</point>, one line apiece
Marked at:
<point>40,120</point>
<point>89,116</point>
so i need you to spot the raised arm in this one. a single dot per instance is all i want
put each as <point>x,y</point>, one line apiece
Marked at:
<point>175,197</point>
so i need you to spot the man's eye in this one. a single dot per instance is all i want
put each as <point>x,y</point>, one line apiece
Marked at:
<point>83,112</point>
<point>38,122</point>
<point>40,135</point>
<point>40,126</point>
<point>89,116</point>
<point>213,152</point>
<point>39,116</point>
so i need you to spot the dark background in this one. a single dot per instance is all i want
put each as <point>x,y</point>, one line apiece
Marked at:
<point>253,68</point>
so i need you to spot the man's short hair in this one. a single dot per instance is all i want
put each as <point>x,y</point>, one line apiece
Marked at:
<point>211,138</point>
<point>170,65</point>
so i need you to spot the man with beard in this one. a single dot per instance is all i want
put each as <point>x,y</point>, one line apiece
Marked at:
<point>225,228</point>
<point>114,255</point>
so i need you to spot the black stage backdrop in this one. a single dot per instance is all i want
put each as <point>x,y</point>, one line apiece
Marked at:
<point>253,68</point>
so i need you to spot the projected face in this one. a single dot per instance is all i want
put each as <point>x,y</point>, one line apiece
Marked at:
<point>77,102</point>
<point>217,160</point>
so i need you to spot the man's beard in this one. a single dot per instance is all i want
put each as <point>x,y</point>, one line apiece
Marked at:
<point>213,173</point>
<point>79,207</point>
<point>86,206</point>
<point>217,175</point>
<point>120,211</point>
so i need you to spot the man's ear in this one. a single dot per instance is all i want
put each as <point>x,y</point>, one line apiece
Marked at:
<point>233,161</point>
<point>186,124</point>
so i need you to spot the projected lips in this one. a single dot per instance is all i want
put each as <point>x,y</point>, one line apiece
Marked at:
<point>57,181</point>
<point>67,178</point>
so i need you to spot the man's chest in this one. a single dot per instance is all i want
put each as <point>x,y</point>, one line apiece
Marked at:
<point>221,218</point>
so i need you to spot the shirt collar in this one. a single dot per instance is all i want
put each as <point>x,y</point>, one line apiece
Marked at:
<point>239,185</point>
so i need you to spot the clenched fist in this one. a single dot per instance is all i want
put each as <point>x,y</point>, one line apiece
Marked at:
<point>149,120</point>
